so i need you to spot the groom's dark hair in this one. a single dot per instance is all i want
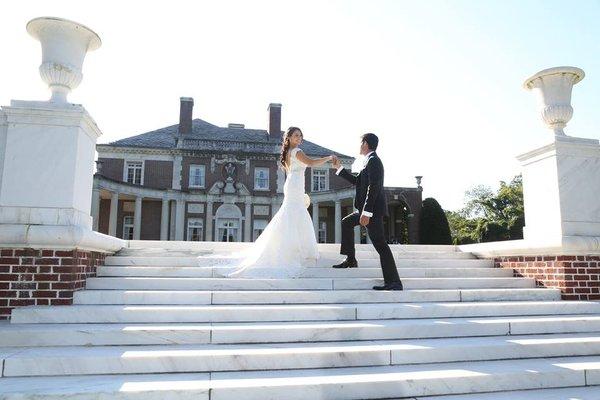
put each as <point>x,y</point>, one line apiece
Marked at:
<point>371,139</point>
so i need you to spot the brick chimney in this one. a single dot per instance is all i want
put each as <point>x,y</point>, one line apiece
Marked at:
<point>275,121</point>
<point>185,115</point>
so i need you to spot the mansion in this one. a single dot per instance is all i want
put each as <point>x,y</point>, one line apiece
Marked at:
<point>196,181</point>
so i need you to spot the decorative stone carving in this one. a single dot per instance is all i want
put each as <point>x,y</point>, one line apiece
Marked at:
<point>553,87</point>
<point>229,159</point>
<point>242,189</point>
<point>229,171</point>
<point>64,45</point>
<point>221,187</point>
<point>217,188</point>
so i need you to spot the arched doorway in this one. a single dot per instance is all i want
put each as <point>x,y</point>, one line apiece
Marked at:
<point>228,223</point>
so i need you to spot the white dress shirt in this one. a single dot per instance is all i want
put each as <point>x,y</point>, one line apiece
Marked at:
<point>365,213</point>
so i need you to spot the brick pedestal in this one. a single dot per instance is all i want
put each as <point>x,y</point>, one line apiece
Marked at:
<point>43,277</point>
<point>577,277</point>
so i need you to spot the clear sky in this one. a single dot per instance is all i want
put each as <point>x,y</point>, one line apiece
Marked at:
<point>438,81</point>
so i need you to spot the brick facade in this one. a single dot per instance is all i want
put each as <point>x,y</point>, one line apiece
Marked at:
<point>577,277</point>
<point>158,174</point>
<point>43,277</point>
<point>112,168</point>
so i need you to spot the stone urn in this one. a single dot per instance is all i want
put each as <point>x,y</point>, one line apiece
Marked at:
<point>553,87</point>
<point>64,46</point>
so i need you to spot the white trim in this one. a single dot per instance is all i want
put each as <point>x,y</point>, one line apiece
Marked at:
<point>312,179</point>
<point>125,170</point>
<point>131,225</point>
<point>200,222</point>
<point>322,228</point>
<point>134,156</point>
<point>256,169</point>
<point>258,224</point>
<point>203,186</point>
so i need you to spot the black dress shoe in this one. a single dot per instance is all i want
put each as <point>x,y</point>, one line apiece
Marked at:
<point>389,286</point>
<point>347,264</point>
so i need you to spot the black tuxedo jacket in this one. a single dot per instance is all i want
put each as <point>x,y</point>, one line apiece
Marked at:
<point>369,187</point>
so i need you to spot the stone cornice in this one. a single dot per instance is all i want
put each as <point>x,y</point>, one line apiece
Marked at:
<point>217,147</point>
<point>104,149</point>
<point>44,113</point>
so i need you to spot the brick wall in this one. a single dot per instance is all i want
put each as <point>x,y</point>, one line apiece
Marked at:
<point>158,174</point>
<point>43,277</point>
<point>112,168</point>
<point>577,277</point>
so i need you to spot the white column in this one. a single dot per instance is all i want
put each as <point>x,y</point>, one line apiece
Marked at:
<point>179,218</point>
<point>357,234</point>
<point>177,172</point>
<point>95,208</point>
<point>338,221</point>
<point>315,218</point>
<point>172,220</point>
<point>248,222</point>
<point>209,219</point>
<point>164,220</point>
<point>114,208</point>
<point>137,218</point>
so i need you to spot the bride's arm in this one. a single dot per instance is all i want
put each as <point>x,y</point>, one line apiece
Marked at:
<point>311,162</point>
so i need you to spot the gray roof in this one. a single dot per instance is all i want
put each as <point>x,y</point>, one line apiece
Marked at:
<point>205,135</point>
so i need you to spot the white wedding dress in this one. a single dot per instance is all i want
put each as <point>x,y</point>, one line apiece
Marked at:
<point>288,244</point>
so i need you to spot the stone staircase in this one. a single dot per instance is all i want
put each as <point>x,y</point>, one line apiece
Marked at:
<point>156,325</point>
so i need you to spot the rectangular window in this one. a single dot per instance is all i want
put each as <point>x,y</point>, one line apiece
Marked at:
<point>128,227</point>
<point>320,180</point>
<point>259,226</point>
<point>197,176</point>
<point>322,232</point>
<point>195,230</point>
<point>134,172</point>
<point>261,178</point>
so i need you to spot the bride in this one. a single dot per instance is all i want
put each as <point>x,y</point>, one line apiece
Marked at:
<point>288,244</point>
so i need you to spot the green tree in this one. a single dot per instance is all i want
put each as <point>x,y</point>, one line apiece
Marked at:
<point>434,228</point>
<point>462,229</point>
<point>489,216</point>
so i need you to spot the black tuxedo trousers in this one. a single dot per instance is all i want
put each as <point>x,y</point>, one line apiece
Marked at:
<point>375,232</point>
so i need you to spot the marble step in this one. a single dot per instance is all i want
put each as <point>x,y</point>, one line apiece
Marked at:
<point>330,383</point>
<point>211,358</point>
<point>309,312</point>
<point>322,263</point>
<point>309,297</point>
<point>372,253</point>
<point>26,335</point>
<point>212,272</point>
<point>149,283</point>
<point>332,249</point>
<point>329,257</point>
<point>170,246</point>
<point>569,393</point>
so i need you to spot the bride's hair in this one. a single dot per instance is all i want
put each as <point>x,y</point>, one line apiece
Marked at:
<point>285,146</point>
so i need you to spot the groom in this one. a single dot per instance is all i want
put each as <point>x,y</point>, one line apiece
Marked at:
<point>370,201</point>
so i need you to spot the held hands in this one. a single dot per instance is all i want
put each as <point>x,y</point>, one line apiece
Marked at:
<point>364,220</point>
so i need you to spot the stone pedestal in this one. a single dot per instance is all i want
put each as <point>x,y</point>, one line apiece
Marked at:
<point>46,162</point>
<point>561,190</point>
<point>47,169</point>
